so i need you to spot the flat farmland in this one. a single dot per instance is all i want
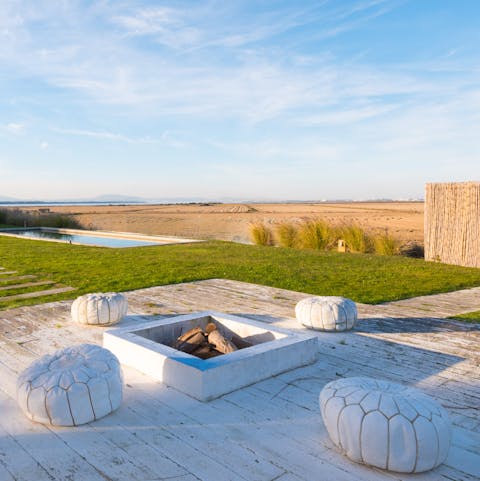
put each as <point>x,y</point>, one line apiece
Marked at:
<point>404,220</point>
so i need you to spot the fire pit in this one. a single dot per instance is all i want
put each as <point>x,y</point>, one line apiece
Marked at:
<point>148,347</point>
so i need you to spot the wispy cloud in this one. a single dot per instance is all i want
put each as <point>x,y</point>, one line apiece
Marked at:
<point>278,86</point>
<point>352,115</point>
<point>168,137</point>
<point>167,25</point>
<point>15,128</point>
<point>217,74</point>
<point>102,135</point>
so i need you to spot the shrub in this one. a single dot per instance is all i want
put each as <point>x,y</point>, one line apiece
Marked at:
<point>356,239</point>
<point>286,235</point>
<point>261,235</point>
<point>18,217</point>
<point>413,249</point>
<point>315,235</point>
<point>386,245</point>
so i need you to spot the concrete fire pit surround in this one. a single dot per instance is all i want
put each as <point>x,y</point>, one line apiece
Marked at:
<point>275,350</point>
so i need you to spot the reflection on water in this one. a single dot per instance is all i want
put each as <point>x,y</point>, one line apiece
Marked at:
<point>40,234</point>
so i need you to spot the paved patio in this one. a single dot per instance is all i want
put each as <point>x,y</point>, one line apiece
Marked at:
<point>271,430</point>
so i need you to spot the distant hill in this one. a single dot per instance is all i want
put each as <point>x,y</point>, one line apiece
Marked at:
<point>114,198</point>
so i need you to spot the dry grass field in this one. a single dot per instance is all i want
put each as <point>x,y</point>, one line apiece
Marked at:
<point>403,220</point>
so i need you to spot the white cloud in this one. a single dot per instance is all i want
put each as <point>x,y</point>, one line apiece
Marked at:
<point>44,145</point>
<point>172,139</point>
<point>15,128</point>
<point>166,24</point>
<point>101,135</point>
<point>339,117</point>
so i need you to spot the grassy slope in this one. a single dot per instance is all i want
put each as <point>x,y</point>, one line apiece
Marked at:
<point>364,278</point>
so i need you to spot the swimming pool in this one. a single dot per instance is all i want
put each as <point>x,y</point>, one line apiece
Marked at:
<point>93,238</point>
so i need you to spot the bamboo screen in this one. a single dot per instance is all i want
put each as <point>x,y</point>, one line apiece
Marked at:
<point>452,223</point>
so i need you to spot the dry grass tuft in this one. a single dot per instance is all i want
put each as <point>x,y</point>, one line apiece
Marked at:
<point>386,245</point>
<point>315,234</point>
<point>356,239</point>
<point>261,235</point>
<point>286,235</point>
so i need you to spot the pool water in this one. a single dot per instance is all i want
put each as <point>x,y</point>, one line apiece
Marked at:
<point>90,240</point>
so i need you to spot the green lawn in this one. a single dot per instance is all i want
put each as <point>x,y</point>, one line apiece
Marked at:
<point>473,317</point>
<point>363,278</point>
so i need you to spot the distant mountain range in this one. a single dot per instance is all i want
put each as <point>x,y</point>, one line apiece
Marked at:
<point>127,199</point>
<point>101,198</point>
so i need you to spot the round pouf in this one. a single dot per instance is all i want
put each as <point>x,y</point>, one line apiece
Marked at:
<point>99,309</point>
<point>386,425</point>
<point>327,313</point>
<point>73,386</point>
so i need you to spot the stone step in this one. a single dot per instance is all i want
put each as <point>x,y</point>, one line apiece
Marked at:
<point>17,278</point>
<point>4,273</point>
<point>30,295</point>
<point>27,284</point>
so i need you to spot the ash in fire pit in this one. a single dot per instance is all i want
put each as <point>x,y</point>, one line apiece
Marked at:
<point>209,342</point>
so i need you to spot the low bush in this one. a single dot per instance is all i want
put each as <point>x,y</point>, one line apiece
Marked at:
<point>261,235</point>
<point>18,217</point>
<point>413,249</point>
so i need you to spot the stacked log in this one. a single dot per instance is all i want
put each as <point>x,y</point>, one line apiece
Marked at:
<point>452,223</point>
<point>209,342</point>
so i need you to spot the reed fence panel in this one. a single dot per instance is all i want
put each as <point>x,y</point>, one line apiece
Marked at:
<point>452,223</point>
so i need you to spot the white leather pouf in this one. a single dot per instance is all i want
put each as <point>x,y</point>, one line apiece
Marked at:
<point>386,425</point>
<point>72,386</point>
<point>327,313</point>
<point>99,309</point>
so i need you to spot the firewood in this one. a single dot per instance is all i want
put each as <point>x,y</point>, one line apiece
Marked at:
<point>221,344</point>
<point>206,352</point>
<point>186,335</point>
<point>191,340</point>
<point>211,326</point>
<point>240,342</point>
<point>203,351</point>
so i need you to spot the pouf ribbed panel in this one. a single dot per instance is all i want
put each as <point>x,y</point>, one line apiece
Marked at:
<point>99,309</point>
<point>327,313</point>
<point>386,425</point>
<point>72,386</point>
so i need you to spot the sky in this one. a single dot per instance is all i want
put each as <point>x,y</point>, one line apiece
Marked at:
<point>245,100</point>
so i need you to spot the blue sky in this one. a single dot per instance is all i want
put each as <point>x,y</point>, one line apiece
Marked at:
<point>250,100</point>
